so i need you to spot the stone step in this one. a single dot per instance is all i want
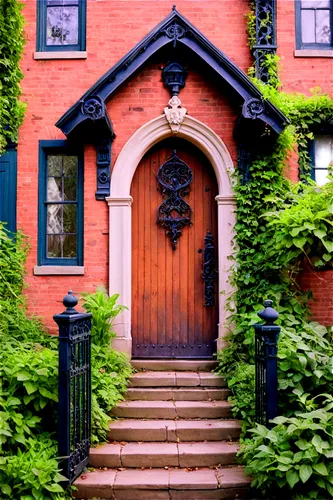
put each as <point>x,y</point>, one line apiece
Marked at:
<point>177,394</point>
<point>200,454</point>
<point>181,365</point>
<point>172,409</point>
<point>162,484</point>
<point>176,379</point>
<point>174,430</point>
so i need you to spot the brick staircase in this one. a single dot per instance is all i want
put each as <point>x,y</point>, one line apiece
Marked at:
<point>174,439</point>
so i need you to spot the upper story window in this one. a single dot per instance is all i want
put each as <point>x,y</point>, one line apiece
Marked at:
<point>321,152</point>
<point>60,223</point>
<point>314,24</point>
<point>61,25</point>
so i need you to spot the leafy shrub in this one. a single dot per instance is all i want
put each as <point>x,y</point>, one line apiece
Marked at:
<point>304,364</point>
<point>304,229</point>
<point>296,454</point>
<point>29,385</point>
<point>104,309</point>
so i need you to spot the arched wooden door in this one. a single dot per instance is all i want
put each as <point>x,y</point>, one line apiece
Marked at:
<point>174,310</point>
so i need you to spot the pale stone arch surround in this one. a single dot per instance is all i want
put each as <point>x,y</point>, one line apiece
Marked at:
<point>120,223</point>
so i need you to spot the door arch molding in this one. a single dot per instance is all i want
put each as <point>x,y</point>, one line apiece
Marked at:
<point>120,201</point>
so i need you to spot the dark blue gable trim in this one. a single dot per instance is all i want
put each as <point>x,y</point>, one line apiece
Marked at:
<point>90,111</point>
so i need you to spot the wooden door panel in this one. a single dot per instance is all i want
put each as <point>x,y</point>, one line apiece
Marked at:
<point>169,318</point>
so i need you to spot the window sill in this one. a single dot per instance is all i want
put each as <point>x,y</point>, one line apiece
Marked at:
<point>60,55</point>
<point>58,270</point>
<point>313,53</point>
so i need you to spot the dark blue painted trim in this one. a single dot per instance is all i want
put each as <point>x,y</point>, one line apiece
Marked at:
<point>154,41</point>
<point>41,30</point>
<point>298,30</point>
<point>58,147</point>
<point>8,165</point>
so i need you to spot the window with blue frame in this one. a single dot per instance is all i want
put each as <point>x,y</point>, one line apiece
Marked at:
<point>60,223</point>
<point>314,24</point>
<point>61,25</point>
<point>321,153</point>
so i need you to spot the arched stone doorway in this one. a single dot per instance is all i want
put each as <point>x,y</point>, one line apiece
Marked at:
<point>120,213</point>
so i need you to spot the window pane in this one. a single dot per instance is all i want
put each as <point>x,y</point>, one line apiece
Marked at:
<point>61,246</point>
<point>54,219</point>
<point>69,218</point>
<point>308,26</point>
<point>62,26</point>
<point>54,246</point>
<point>315,4</point>
<point>70,188</point>
<point>62,2</point>
<point>69,246</point>
<point>54,165</point>
<point>323,28</point>
<point>54,189</point>
<point>321,177</point>
<point>70,165</point>
<point>323,151</point>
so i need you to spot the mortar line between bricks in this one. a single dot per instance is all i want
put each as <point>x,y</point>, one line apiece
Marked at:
<point>178,454</point>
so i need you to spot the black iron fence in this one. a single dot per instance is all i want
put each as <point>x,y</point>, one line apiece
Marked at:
<point>74,388</point>
<point>266,337</point>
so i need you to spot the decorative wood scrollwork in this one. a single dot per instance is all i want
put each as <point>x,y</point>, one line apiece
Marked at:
<point>208,274</point>
<point>174,177</point>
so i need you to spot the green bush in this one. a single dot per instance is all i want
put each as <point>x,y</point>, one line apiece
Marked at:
<point>296,454</point>
<point>29,384</point>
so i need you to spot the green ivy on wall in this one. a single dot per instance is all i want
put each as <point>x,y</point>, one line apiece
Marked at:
<point>279,227</point>
<point>11,48</point>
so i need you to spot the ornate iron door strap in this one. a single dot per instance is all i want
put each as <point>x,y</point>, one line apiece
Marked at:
<point>174,177</point>
<point>208,274</point>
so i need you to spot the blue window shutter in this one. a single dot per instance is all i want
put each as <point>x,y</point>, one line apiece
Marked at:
<point>8,182</point>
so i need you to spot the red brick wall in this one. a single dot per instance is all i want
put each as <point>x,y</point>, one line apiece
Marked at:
<point>321,285</point>
<point>299,74</point>
<point>50,87</point>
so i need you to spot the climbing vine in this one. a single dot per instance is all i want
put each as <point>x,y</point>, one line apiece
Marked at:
<point>11,48</point>
<point>279,226</point>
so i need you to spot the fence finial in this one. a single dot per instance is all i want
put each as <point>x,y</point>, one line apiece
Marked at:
<point>70,302</point>
<point>269,314</point>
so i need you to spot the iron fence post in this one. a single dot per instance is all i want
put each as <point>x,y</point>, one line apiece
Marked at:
<point>266,338</point>
<point>74,389</point>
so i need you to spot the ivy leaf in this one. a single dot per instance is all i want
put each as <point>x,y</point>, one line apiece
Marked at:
<point>305,472</point>
<point>292,478</point>
<point>320,468</point>
<point>299,242</point>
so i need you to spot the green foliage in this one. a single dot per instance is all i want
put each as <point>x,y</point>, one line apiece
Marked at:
<point>29,385</point>
<point>296,454</point>
<point>304,229</point>
<point>11,48</point>
<point>241,381</point>
<point>110,369</point>
<point>279,227</point>
<point>305,365</point>
<point>104,309</point>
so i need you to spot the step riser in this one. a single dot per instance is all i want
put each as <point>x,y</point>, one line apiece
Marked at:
<point>176,379</point>
<point>177,394</point>
<point>142,494</point>
<point>174,365</point>
<point>171,437</point>
<point>156,461</point>
<point>170,413</point>
<point>152,484</point>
